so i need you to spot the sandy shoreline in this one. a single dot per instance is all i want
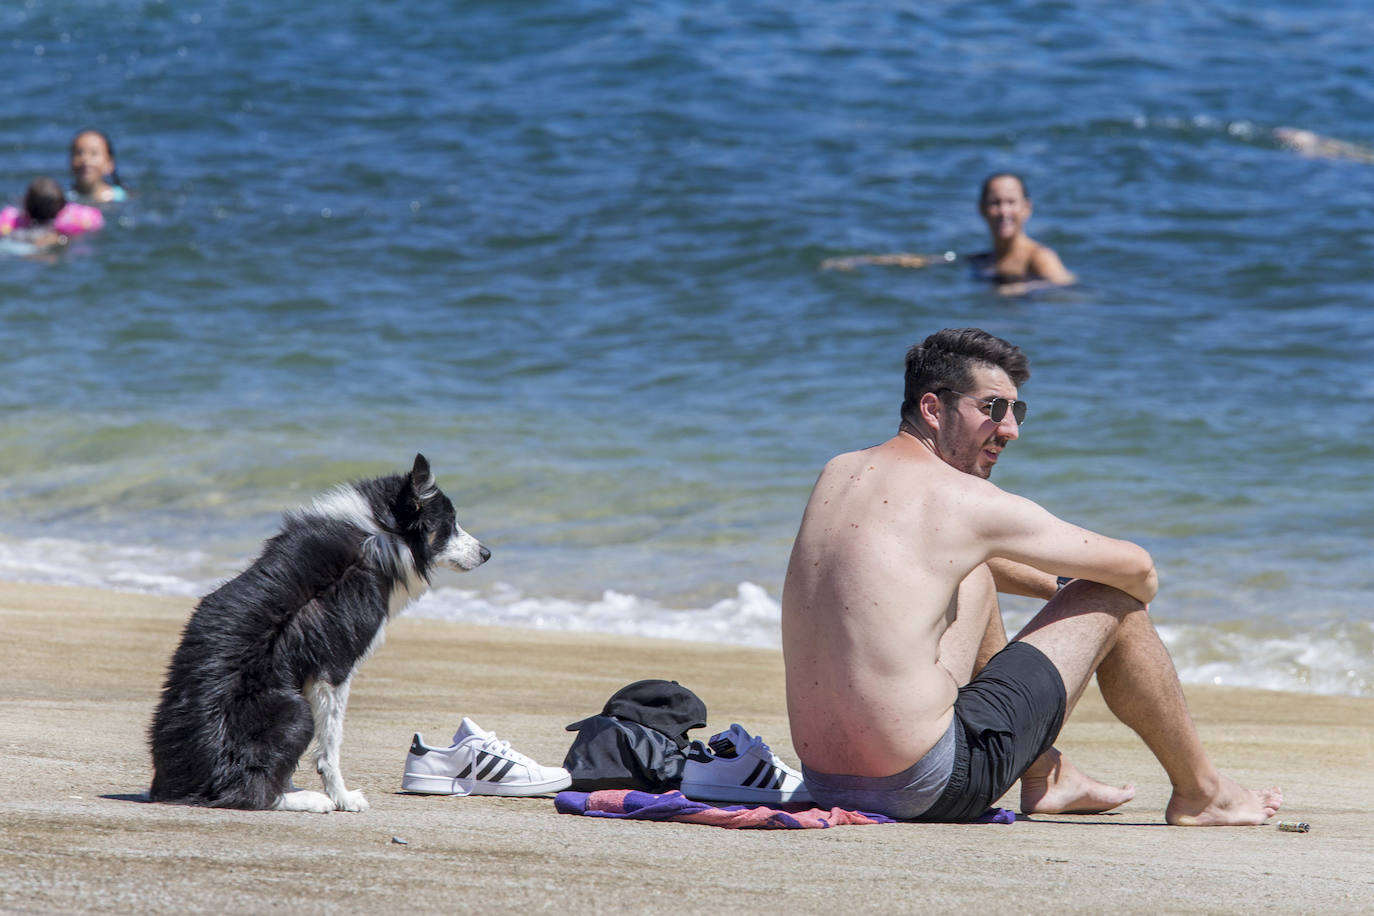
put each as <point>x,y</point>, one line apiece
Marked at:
<point>82,668</point>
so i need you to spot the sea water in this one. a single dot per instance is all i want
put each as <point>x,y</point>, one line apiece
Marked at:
<point>569,251</point>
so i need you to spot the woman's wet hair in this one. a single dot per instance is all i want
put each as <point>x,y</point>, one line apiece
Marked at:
<point>945,361</point>
<point>44,200</point>
<point>987,183</point>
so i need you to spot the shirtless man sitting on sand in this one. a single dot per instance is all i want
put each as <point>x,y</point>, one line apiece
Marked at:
<point>899,698</point>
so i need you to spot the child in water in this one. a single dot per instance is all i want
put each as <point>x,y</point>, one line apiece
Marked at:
<point>47,220</point>
<point>94,178</point>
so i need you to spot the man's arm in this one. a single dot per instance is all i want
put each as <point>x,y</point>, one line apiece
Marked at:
<point>1019,579</point>
<point>1014,528</point>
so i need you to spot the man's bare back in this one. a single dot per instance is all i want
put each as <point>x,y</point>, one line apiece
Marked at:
<point>866,690</point>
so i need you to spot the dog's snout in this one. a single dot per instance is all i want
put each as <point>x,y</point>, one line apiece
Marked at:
<point>484,553</point>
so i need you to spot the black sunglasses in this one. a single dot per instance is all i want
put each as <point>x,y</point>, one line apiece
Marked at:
<point>996,408</point>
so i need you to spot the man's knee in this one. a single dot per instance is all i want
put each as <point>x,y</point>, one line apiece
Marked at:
<point>1083,595</point>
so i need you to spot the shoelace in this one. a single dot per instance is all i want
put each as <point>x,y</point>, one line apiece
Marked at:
<point>495,745</point>
<point>754,742</point>
<point>757,742</point>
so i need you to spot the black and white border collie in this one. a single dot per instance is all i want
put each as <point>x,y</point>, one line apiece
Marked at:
<point>266,659</point>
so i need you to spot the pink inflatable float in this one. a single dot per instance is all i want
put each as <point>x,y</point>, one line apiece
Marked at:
<point>73,219</point>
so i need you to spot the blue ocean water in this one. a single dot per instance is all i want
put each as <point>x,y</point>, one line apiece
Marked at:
<point>570,252</point>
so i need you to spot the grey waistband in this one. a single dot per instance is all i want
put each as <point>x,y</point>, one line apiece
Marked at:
<point>903,795</point>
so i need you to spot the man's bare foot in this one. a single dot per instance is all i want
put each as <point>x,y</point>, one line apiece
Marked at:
<point>1053,785</point>
<point>1231,805</point>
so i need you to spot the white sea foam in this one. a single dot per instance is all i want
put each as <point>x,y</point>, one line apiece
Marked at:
<point>1326,659</point>
<point>750,617</point>
<point>57,561</point>
<point>1334,661</point>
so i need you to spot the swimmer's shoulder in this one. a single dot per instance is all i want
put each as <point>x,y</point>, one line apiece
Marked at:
<point>1045,264</point>
<point>117,194</point>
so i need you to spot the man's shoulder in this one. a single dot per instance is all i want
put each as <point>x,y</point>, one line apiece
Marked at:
<point>857,456</point>
<point>905,463</point>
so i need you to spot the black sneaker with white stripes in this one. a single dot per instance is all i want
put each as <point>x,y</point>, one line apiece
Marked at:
<point>736,767</point>
<point>477,763</point>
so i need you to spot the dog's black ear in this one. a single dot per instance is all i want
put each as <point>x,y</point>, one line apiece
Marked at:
<point>421,477</point>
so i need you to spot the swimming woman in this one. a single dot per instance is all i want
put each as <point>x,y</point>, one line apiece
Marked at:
<point>1017,263</point>
<point>94,178</point>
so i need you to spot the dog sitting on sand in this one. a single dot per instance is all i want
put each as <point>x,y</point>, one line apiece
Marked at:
<point>265,661</point>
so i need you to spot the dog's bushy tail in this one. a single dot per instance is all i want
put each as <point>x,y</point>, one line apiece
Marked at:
<point>242,758</point>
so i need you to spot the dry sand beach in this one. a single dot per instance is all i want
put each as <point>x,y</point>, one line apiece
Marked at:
<point>81,670</point>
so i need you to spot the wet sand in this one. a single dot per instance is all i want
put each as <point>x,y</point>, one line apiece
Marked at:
<point>80,675</point>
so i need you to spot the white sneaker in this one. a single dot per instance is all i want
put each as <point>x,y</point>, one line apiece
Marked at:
<point>738,768</point>
<point>478,763</point>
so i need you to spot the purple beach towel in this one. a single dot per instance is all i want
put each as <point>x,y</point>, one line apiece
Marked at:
<point>632,804</point>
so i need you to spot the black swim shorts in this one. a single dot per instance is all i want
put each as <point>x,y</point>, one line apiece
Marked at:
<point>1006,717</point>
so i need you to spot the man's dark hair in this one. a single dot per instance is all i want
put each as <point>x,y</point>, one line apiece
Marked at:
<point>44,200</point>
<point>945,360</point>
<point>983,193</point>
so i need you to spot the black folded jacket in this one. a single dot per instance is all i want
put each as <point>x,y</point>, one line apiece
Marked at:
<point>638,742</point>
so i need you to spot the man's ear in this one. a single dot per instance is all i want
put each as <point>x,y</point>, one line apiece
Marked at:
<point>931,409</point>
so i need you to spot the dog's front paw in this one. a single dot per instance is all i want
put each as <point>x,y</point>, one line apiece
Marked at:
<point>303,800</point>
<point>351,800</point>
